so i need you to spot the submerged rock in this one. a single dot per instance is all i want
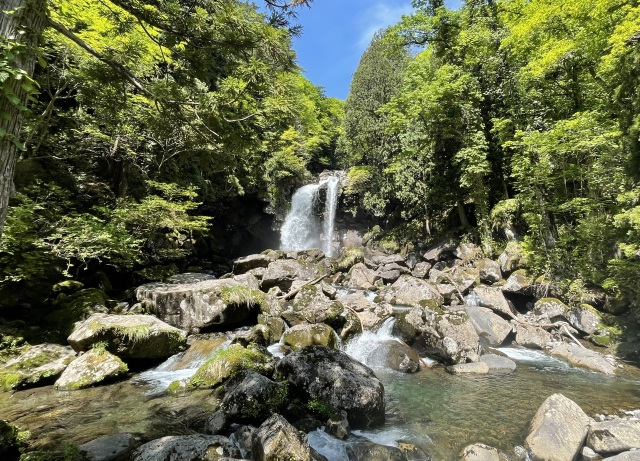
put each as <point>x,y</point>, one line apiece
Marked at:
<point>610,437</point>
<point>186,448</point>
<point>277,440</point>
<point>482,452</point>
<point>362,449</point>
<point>129,336</point>
<point>35,366</point>
<point>332,378</point>
<point>192,306</point>
<point>558,430</point>
<point>92,367</point>
<point>476,368</point>
<point>108,447</point>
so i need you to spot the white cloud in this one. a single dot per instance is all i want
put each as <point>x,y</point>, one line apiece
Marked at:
<point>378,16</point>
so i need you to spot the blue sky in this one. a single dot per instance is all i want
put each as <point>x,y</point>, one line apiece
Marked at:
<point>335,34</point>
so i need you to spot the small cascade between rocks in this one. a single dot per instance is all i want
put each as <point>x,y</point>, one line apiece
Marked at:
<point>301,229</point>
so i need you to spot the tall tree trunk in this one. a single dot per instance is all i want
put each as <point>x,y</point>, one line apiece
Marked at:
<point>23,25</point>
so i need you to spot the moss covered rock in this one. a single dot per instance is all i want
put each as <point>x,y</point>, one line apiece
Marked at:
<point>35,366</point>
<point>349,258</point>
<point>551,308</point>
<point>303,335</point>
<point>91,368</point>
<point>11,440</point>
<point>129,336</point>
<point>229,362</point>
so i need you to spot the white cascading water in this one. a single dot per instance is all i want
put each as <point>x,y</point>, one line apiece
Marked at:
<point>301,229</point>
<point>330,208</point>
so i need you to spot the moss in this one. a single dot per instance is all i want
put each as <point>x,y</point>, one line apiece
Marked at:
<point>349,258</point>
<point>322,409</point>
<point>432,304</point>
<point>242,296</point>
<point>9,380</point>
<point>67,286</point>
<point>227,363</point>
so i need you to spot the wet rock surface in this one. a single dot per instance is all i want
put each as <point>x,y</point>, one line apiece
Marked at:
<point>186,448</point>
<point>91,368</point>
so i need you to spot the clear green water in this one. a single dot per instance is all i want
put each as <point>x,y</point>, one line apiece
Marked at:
<point>440,412</point>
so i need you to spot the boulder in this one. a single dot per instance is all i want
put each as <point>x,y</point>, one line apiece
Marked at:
<point>277,440</point>
<point>336,380</point>
<point>362,449</point>
<point>489,271</point>
<point>474,368</point>
<point>396,259</point>
<point>519,282</point>
<point>531,336</point>
<point>482,452</point>
<point>498,363</point>
<point>493,328</point>
<point>389,276</point>
<point>626,456</point>
<point>247,263</point>
<point>186,448</point>
<point>395,355</point>
<point>421,270</point>
<point>251,398</point>
<point>227,363</point>
<point>551,308</point>
<point>582,357</point>
<point>361,277</point>
<point>189,277</point>
<point>493,299</point>
<point>410,291</point>
<point>243,439</point>
<point>305,334</point>
<point>35,366</point>
<point>108,447</point>
<point>192,306</point>
<point>92,367</point>
<point>129,336</point>
<point>558,430</point>
<point>349,257</point>
<point>467,251</point>
<point>585,318</point>
<point>512,258</point>
<point>446,335</point>
<point>615,436</point>
<point>589,455</point>
<point>439,251</point>
<point>283,272</point>
<point>338,426</point>
<point>371,314</point>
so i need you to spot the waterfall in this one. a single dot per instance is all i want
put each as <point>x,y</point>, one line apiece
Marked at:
<point>301,229</point>
<point>331,206</point>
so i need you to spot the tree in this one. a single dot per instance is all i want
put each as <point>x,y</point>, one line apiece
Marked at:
<point>21,22</point>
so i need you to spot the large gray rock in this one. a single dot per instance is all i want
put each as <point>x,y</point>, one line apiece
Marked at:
<point>439,251</point>
<point>610,437</point>
<point>335,379</point>
<point>283,272</point>
<point>361,277</point>
<point>584,358</point>
<point>519,282</point>
<point>129,336</point>
<point>247,263</point>
<point>91,368</point>
<point>108,447</point>
<point>186,448</point>
<point>482,452</point>
<point>411,291</point>
<point>277,440</point>
<point>252,398</point>
<point>558,430</point>
<point>35,366</point>
<point>371,314</point>
<point>395,355</point>
<point>498,363</point>
<point>192,306</point>
<point>448,336</point>
<point>585,318</point>
<point>493,298</point>
<point>493,328</point>
<point>551,308</point>
<point>489,271</point>
<point>304,334</point>
<point>421,270</point>
<point>531,336</point>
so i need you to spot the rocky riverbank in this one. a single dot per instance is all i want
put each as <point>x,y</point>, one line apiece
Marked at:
<point>280,372</point>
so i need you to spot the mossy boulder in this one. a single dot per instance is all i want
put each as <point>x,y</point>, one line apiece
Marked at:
<point>283,272</point>
<point>129,336</point>
<point>229,362</point>
<point>11,440</point>
<point>67,287</point>
<point>551,308</point>
<point>519,282</point>
<point>93,367</point>
<point>349,257</point>
<point>303,335</point>
<point>35,366</point>
<point>193,306</point>
<point>585,318</point>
